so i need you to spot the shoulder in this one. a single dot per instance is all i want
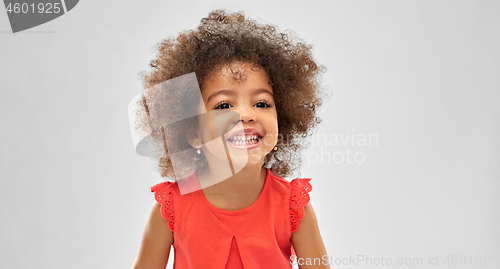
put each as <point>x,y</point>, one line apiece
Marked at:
<point>297,188</point>
<point>299,201</point>
<point>278,182</point>
<point>297,183</point>
<point>164,187</point>
<point>164,193</point>
<point>279,188</point>
<point>296,193</point>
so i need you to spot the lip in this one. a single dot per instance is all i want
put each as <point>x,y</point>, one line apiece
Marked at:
<point>246,131</point>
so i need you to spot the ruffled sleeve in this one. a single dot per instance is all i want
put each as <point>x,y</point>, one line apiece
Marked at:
<point>299,197</point>
<point>165,197</point>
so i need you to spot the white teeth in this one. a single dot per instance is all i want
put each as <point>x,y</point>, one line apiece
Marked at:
<point>245,142</point>
<point>242,139</point>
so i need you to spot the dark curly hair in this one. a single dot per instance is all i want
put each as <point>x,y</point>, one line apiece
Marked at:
<point>224,38</point>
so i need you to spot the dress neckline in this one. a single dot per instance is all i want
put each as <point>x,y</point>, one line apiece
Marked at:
<point>239,211</point>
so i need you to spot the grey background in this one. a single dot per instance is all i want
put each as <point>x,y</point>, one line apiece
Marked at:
<point>420,75</point>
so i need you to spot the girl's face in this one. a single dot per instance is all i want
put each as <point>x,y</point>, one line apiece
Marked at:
<point>251,138</point>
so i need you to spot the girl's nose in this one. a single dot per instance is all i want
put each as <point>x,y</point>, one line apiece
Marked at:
<point>246,114</point>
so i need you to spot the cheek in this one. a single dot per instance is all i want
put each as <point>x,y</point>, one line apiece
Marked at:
<point>274,123</point>
<point>271,130</point>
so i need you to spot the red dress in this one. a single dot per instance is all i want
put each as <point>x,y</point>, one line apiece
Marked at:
<point>258,236</point>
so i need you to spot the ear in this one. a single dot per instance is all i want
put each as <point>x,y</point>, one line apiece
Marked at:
<point>193,139</point>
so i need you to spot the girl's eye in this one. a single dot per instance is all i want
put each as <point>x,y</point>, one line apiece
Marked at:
<point>226,105</point>
<point>262,104</point>
<point>223,105</point>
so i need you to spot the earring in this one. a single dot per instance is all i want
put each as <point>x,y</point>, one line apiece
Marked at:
<point>275,148</point>
<point>198,151</point>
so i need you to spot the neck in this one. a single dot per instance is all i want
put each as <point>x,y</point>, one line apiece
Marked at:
<point>246,180</point>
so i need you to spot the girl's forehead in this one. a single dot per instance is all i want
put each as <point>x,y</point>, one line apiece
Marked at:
<point>236,74</point>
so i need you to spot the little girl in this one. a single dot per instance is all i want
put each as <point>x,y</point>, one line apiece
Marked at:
<point>232,208</point>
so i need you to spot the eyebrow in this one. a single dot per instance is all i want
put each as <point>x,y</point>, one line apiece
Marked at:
<point>232,92</point>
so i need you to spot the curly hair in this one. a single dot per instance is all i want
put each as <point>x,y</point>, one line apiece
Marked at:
<point>223,38</point>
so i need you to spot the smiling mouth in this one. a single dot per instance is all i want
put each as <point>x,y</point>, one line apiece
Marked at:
<point>243,140</point>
